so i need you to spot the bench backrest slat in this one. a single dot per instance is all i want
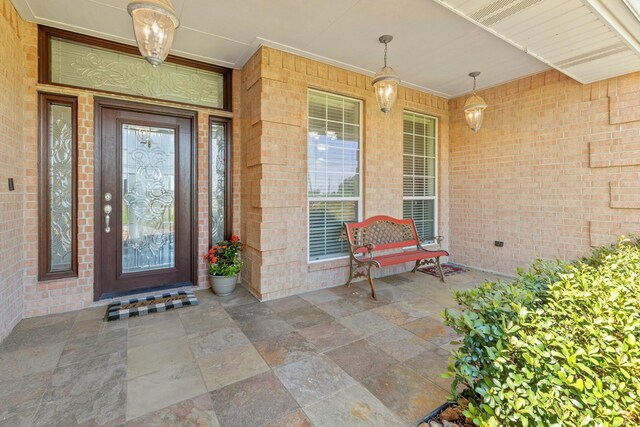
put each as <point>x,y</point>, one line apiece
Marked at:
<point>384,232</point>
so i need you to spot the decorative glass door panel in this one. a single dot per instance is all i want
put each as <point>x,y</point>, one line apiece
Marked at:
<point>218,180</point>
<point>144,199</point>
<point>148,196</point>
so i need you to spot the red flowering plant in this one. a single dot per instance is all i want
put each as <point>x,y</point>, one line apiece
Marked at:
<point>224,257</point>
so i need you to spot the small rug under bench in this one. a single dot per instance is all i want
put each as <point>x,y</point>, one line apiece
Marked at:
<point>447,270</point>
<point>151,304</point>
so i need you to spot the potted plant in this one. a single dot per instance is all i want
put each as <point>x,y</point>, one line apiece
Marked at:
<point>224,265</point>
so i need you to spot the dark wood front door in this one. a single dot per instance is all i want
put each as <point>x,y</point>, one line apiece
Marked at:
<point>144,198</point>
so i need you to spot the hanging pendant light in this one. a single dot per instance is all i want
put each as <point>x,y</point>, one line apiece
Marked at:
<point>154,24</point>
<point>385,82</point>
<point>474,107</point>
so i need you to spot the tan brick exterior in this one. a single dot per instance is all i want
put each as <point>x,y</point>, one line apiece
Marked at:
<point>274,198</point>
<point>12,149</point>
<point>552,171</point>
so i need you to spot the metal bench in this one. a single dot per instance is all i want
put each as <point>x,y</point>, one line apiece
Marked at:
<point>382,233</point>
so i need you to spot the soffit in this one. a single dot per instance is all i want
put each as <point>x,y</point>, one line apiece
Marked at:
<point>588,40</point>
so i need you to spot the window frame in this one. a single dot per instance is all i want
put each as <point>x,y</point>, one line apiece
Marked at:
<point>228,172</point>
<point>360,198</point>
<point>436,175</point>
<point>45,100</point>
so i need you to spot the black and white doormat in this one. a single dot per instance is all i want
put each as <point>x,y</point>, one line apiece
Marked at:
<point>152,304</point>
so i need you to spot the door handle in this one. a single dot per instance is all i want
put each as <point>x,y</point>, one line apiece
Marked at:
<point>107,211</point>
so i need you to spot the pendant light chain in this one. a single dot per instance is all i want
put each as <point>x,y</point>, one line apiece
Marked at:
<point>385,54</point>
<point>474,84</point>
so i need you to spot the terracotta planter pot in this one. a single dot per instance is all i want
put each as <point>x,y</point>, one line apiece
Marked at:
<point>223,285</point>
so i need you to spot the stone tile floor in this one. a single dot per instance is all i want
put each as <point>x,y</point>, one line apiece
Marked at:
<point>333,357</point>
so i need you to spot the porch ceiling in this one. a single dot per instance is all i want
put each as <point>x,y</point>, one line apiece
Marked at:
<point>433,48</point>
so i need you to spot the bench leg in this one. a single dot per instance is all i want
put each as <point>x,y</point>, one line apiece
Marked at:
<point>415,268</point>
<point>440,269</point>
<point>350,274</point>
<point>373,290</point>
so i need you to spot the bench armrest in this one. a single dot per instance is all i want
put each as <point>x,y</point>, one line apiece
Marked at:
<point>438,241</point>
<point>369,247</point>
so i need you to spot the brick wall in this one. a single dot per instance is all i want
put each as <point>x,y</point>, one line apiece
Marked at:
<point>11,152</point>
<point>274,199</point>
<point>554,170</point>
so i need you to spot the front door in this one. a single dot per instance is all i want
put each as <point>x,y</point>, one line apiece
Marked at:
<point>144,198</point>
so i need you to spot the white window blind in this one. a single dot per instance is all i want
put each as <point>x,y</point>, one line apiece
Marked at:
<point>333,172</point>
<point>419,172</point>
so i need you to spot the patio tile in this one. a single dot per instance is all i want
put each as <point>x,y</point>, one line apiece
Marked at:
<point>312,379</point>
<point>361,359</point>
<point>209,343</point>
<point>255,401</point>
<point>149,320</point>
<point>431,364</point>
<point>156,330</point>
<point>85,328</point>
<point>353,406</point>
<point>37,332</point>
<point>285,349</point>
<point>320,296</point>
<point>143,360</point>
<point>408,395</point>
<point>340,308</point>
<point>206,298</point>
<point>249,311</point>
<point>151,392</point>
<point>89,392</point>
<point>230,366</point>
<point>197,411</point>
<point>264,327</point>
<point>305,316</point>
<point>23,418</point>
<point>20,397</point>
<point>430,329</point>
<point>395,279</point>
<point>427,306</point>
<point>92,313</point>
<point>198,320</point>
<point>53,322</point>
<point>286,304</point>
<point>240,296</point>
<point>399,343</point>
<point>328,335</point>
<point>29,360</point>
<point>365,323</point>
<point>399,313</point>
<point>93,346</point>
<point>294,419</point>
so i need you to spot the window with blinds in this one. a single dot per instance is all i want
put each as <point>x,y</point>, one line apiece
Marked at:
<point>333,174</point>
<point>419,172</point>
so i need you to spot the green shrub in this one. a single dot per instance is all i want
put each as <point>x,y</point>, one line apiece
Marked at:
<point>557,346</point>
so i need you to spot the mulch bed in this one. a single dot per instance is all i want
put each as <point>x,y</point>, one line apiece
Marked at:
<point>448,415</point>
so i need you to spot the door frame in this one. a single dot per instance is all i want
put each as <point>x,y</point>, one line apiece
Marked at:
<point>101,103</point>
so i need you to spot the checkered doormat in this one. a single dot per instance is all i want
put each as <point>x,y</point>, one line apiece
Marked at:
<point>152,304</point>
<point>447,270</point>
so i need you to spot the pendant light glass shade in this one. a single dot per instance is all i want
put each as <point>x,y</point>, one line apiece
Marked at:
<point>385,82</point>
<point>474,107</point>
<point>154,24</point>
